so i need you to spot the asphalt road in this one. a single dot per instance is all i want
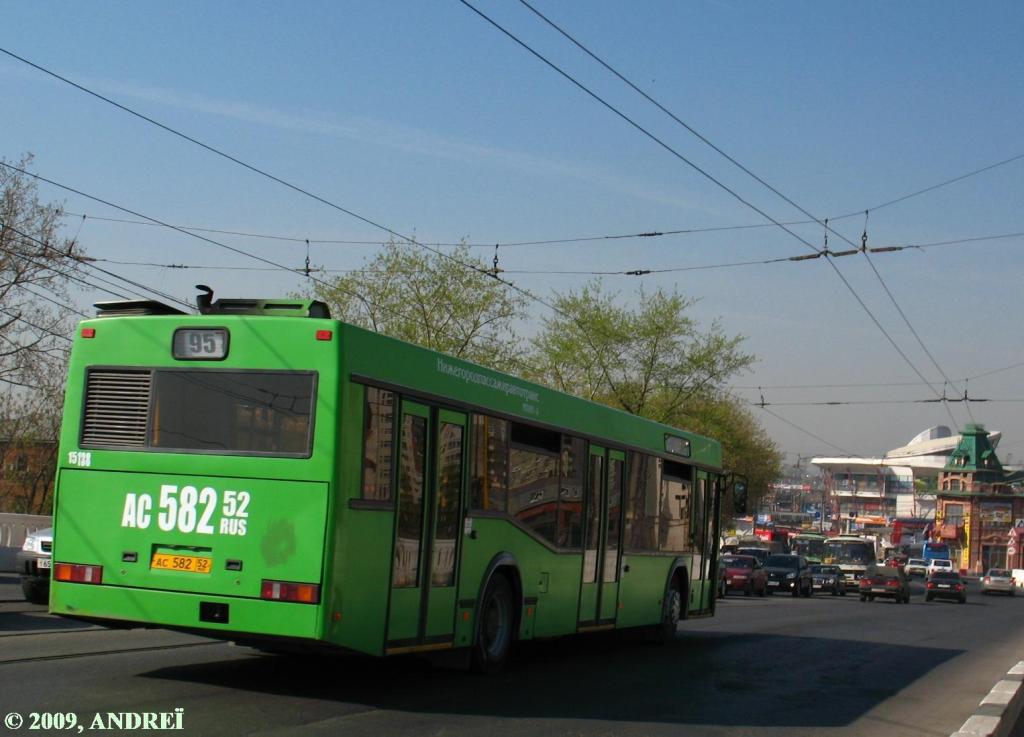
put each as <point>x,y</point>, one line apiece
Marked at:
<point>771,666</point>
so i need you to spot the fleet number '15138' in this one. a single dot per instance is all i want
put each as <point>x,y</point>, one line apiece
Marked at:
<point>189,509</point>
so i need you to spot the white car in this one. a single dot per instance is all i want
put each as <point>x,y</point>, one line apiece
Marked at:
<point>939,565</point>
<point>915,567</point>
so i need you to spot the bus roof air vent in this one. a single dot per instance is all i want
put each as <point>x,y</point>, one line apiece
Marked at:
<point>128,307</point>
<point>270,307</point>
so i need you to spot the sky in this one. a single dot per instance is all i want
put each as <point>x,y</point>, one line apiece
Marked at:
<point>424,118</point>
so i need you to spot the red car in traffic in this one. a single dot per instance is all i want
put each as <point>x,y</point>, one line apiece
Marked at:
<point>744,573</point>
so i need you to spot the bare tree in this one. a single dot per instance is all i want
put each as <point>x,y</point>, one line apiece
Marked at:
<point>34,268</point>
<point>35,329</point>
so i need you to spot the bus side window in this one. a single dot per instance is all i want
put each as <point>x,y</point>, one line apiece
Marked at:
<point>570,494</point>
<point>674,504</point>
<point>533,480</point>
<point>489,479</point>
<point>642,502</point>
<point>378,441</point>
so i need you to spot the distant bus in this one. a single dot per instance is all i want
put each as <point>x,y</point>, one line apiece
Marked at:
<point>811,545</point>
<point>852,554</point>
<point>935,551</point>
<point>792,521</point>
<point>265,474</point>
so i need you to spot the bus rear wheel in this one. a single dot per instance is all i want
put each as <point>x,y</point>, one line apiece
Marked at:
<point>495,629</point>
<point>673,612</point>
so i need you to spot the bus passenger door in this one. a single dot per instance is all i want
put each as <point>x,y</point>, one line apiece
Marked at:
<point>430,474</point>
<point>611,568</point>
<point>450,454</point>
<point>599,587</point>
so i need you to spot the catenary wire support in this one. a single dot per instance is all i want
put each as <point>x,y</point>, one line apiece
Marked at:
<point>864,235</point>
<point>307,258</point>
<point>824,248</point>
<point>763,403</point>
<point>497,269</point>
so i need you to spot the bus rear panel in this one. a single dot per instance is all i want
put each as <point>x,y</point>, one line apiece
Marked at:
<point>189,492</point>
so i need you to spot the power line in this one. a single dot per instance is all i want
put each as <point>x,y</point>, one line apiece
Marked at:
<point>679,156</point>
<point>628,272</point>
<point>634,124</point>
<point>492,274</point>
<point>761,181</point>
<point>40,328</point>
<point>808,433</point>
<point>349,293</point>
<point>935,186</point>
<point>67,275</point>
<point>81,280</point>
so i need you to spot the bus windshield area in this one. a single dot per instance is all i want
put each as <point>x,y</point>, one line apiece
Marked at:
<point>809,548</point>
<point>849,552</point>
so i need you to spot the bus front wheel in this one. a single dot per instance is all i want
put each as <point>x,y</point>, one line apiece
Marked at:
<point>495,629</point>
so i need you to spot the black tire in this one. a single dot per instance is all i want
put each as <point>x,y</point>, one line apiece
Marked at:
<point>36,591</point>
<point>928,597</point>
<point>810,590</point>
<point>749,591</point>
<point>763,591</point>
<point>842,591</point>
<point>863,597</point>
<point>671,614</point>
<point>496,628</point>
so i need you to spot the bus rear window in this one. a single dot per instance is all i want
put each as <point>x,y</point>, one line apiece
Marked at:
<point>212,411</point>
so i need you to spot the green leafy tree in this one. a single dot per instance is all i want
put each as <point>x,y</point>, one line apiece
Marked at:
<point>650,361</point>
<point>654,360</point>
<point>432,301</point>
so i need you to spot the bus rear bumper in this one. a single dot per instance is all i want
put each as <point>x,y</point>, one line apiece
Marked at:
<point>213,616</point>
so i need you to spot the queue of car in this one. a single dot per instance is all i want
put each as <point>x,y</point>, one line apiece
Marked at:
<point>753,570</point>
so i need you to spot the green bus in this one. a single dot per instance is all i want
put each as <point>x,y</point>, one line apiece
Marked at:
<point>261,473</point>
<point>811,545</point>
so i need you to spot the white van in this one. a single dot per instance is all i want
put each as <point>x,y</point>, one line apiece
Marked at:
<point>939,565</point>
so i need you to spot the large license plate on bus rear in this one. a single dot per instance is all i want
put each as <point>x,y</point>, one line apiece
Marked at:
<point>187,563</point>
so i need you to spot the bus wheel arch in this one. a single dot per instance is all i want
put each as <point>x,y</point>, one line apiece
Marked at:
<point>675,604</point>
<point>498,612</point>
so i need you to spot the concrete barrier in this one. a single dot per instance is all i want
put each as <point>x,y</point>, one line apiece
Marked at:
<point>998,712</point>
<point>14,528</point>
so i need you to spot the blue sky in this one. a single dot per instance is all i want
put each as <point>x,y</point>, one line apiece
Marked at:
<point>422,117</point>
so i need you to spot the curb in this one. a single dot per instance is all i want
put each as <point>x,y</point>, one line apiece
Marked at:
<point>997,713</point>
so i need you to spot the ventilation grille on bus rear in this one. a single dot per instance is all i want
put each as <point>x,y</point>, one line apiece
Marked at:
<point>116,408</point>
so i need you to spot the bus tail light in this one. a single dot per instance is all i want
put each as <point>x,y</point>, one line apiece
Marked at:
<point>77,573</point>
<point>303,593</point>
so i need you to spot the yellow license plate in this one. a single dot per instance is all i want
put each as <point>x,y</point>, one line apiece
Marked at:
<point>187,563</point>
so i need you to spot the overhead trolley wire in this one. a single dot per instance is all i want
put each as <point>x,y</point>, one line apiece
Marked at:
<point>660,142</point>
<point>240,251</point>
<point>808,433</point>
<point>85,263</point>
<point>492,274</point>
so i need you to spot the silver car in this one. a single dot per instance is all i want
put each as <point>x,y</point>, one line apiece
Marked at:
<point>34,561</point>
<point>998,579</point>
